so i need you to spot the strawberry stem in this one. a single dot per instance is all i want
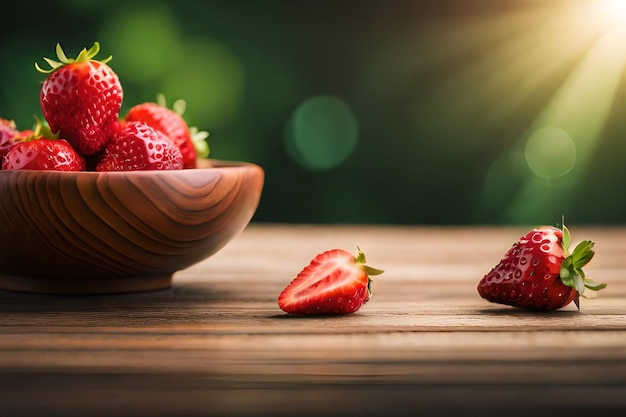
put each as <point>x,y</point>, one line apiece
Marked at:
<point>40,130</point>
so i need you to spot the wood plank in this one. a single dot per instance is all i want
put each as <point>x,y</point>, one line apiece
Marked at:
<point>216,343</point>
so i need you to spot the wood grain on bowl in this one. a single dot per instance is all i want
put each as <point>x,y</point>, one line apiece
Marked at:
<point>103,232</point>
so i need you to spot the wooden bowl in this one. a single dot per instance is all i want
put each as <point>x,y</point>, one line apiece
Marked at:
<point>116,232</point>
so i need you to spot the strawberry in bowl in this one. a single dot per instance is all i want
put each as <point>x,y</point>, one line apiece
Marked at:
<point>94,204</point>
<point>170,122</point>
<point>81,98</point>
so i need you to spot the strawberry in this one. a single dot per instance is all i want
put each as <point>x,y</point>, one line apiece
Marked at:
<point>10,134</point>
<point>334,282</point>
<point>8,131</point>
<point>81,99</point>
<point>43,154</point>
<point>539,272</point>
<point>171,123</point>
<point>138,146</point>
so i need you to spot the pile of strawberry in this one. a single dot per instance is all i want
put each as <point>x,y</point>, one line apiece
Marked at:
<point>81,99</point>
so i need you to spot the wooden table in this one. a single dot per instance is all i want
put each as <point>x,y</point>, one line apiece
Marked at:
<point>217,344</point>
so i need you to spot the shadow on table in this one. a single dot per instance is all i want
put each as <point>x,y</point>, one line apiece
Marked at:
<point>177,295</point>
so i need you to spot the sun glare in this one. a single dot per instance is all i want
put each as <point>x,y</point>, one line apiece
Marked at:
<point>610,14</point>
<point>559,144</point>
<point>615,11</point>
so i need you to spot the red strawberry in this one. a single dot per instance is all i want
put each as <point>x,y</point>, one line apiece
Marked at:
<point>8,131</point>
<point>81,99</point>
<point>539,273</point>
<point>43,154</point>
<point>335,282</point>
<point>9,135</point>
<point>137,146</point>
<point>170,122</point>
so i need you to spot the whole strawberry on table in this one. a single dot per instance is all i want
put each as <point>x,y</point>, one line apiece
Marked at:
<point>540,273</point>
<point>81,99</point>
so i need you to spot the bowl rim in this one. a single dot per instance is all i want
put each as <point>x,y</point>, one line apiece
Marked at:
<point>203,165</point>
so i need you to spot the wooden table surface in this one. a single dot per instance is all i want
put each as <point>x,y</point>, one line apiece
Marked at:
<point>217,344</point>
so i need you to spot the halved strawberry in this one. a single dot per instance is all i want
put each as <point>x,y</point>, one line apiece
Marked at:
<point>43,154</point>
<point>138,146</point>
<point>81,99</point>
<point>334,282</point>
<point>539,273</point>
<point>170,122</point>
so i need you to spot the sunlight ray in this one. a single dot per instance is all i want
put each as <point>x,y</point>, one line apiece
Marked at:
<point>511,73</point>
<point>580,108</point>
<point>565,132</point>
<point>583,104</point>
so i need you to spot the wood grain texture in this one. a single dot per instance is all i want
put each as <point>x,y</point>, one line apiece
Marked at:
<point>99,232</point>
<point>216,343</point>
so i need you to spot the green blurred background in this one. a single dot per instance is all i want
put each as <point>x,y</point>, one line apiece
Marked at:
<point>362,111</point>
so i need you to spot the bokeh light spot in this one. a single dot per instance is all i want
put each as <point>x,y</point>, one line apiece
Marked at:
<point>550,152</point>
<point>322,133</point>
<point>210,78</point>
<point>145,41</point>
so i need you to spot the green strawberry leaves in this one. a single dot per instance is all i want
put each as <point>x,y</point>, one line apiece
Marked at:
<point>84,56</point>
<point>360,259</point>
<point>198,137</point>
<point>571,272</point>
<point>369,270</point>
